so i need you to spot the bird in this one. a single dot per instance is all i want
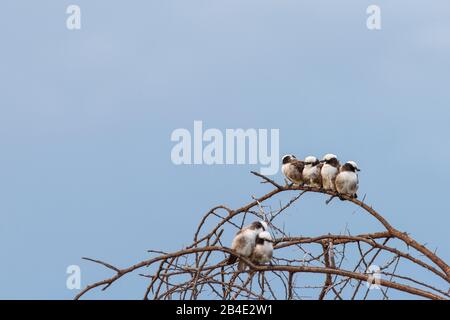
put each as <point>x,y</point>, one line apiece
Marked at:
<point>347,180</point>
<point>292,168</point>
<point>329,171</point>
<point>263,251</point>
<point>245,241</point>
<point>311,172</point>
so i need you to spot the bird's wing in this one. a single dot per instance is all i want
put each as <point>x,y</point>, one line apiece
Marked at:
<point>339,182</point>
<point>236,241</point>
<point>298,164</point>
<point>319,175</point>
<point>239,243</point>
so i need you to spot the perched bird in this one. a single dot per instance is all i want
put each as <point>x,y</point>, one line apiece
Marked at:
<point>263,249</point>
<point>347,180</point>
<point>329,171</point>
<point>311,172</point>
<point>292,168</point>
<point>245,241</point>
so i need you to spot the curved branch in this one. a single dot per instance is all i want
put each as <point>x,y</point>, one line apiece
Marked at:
<point>290,269</point>
<point>393,232</point>
<point>193,262</point>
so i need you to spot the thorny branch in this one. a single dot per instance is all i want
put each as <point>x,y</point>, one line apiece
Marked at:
<point>200,271</point>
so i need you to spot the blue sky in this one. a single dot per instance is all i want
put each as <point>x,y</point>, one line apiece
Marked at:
<point>86,118</point>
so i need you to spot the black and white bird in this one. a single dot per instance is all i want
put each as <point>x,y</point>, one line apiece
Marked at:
<point>292,169</point>
<point>329,171</point>
<point>245,241</point>
<point>347,180</point>
<point>263,251</point>
<point>311,172</point>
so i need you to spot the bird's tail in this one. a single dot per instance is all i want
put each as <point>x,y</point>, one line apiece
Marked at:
<point>232,259</point>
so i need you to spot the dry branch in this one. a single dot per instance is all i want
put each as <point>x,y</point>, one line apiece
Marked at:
<point>200,269</point>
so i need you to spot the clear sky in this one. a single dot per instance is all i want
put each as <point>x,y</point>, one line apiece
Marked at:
<point>86,118</point>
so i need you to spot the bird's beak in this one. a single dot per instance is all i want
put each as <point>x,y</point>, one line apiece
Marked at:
<point>358,169</point>
<point>323,161</point>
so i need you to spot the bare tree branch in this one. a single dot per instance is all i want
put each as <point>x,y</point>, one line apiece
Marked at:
<point>200,270</point>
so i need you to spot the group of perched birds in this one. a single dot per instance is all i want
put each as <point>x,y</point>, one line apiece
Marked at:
<point>254,242</point>
<point>327,174</point>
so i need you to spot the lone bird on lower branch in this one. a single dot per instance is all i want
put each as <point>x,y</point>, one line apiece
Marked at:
<point>245,241</point>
